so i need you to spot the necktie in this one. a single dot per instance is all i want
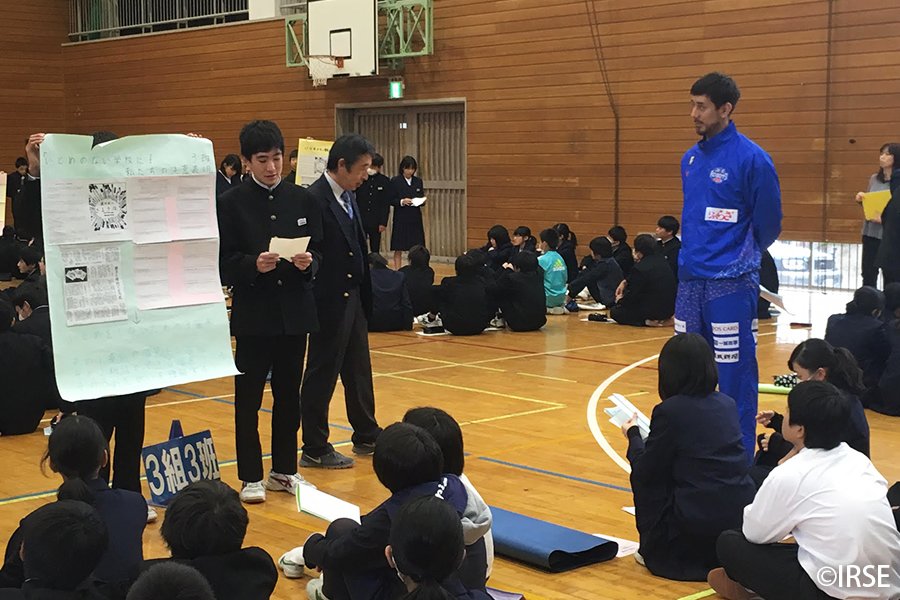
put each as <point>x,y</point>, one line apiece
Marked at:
<point>348,203</point>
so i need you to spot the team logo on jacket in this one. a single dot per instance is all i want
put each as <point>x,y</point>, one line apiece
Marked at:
<point>718,175</point>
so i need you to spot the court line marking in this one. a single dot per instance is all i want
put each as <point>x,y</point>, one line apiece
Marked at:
<point>594,425</point>
<point>477,391</point>
<point>511,415</point>
<point>547,377</point>
<point>554,473</point>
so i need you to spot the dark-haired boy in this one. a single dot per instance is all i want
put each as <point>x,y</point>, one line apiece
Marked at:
<point>669,244</point>
<point>343,293</point>
<point>292,176</point>
<point>420,280</point>
<point>618,237</point>
<point>272,309</point>
<point>647,295</point>
<point>518,291</point>
<point>601,276</point>
<point>462,301</point>
<point>409,463</point>
<point>375,197</point>
<point>831,499</point>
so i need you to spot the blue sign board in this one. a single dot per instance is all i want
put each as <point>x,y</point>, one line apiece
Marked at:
<point>172,465</point>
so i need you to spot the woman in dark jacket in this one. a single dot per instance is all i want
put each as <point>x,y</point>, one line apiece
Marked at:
<point>408,229</point>
<point>689,477</point>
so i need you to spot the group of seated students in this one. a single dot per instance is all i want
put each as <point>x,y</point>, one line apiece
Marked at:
<point>431,538</point>
<point>514,281</point>
<point>704,514</point>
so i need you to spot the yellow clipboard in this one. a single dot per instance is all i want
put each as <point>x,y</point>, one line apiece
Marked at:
<point>874,203</point>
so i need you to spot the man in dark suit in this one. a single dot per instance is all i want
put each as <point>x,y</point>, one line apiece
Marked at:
<point>272,307</point>
<point>374,198</point>
<point>343,292</point>
<point>647,296</point>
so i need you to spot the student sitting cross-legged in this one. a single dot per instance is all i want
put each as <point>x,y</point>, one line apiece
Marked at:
<point>499,248</point>
<point>523,240</point>
<point>519,293</point>
<point>351,556</point>
<point>647,295</point>
<point>555,273</point>
<point>419,280</point>
<point>815,360</point>
<point>833,502</point>
<point>26,370</point>
<point>391,307</point>
<point>601,275</point>
<point>462,301</point>
<point>204,527</point>
<point>689,477</point>
<point>426,549</point>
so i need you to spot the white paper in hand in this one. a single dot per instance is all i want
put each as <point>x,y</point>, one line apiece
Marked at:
<point>325,506</point>
<point>419,201</point>
<point>622,410</point>
<point>287,248</point>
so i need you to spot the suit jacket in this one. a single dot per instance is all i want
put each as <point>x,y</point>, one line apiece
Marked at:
<point>342,248</point>
<point>248,574</point>
<point>279,302</point>
<point>374,198</point>
<point>651,288</point>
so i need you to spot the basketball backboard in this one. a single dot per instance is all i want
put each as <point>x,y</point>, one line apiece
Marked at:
<point>345,29</point>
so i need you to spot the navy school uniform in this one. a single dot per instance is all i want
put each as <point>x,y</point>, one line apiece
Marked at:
<point>690,483</point>
<point>530,245</point>
<point>520,297</point>
<point>25,370</point>
<point>247,574</point>
<point>408,229</point>
<point>391,307</point>
<point>650,293</point>
<point>499,256</point>
<point>623,255</point>
<point>419,284</point>
<point>566,249</point>
<point>223,184</point>
<point>865,336</point>
<point>600,277</point>
<point>887,398</point>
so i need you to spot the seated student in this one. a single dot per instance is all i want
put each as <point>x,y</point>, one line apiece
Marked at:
<point>29,257</point>
<point>568,243</point>
<point>861,331</point>
<point>768,278</point>
<point>426,545</point>
<point>61,545</point>
<point>9,252</point>
<point>171,581</point>
<point>462,301</point>
<point>556,273</point>
<point>25,370</point>
<point>477,519</point>
<point>499,248</point>
<point>519,293</point>
<point>391,306</point>
<point>815,360</point>
<point>77,450</point>
<point>833,502</point>
<point>603,275</point>
<point>884,398</point>
<point>621,250</point>
<point>204,528</point>
<point>647,296</point>
<point>419,280</point>
<point>523,240</point>
<point>689,477</point>
<point>33,310</point>
<point>669,244</point>
<point>351,556</point>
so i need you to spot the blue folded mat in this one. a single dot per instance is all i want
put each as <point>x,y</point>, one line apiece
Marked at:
<point>550,547</point>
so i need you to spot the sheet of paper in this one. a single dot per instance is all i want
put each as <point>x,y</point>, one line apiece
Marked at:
<point>287,248</point>
<point>418,201</point>
<point>626,547</point>
<point>629,510</point>
<point>874,203</point>
<point>325,506</point>
<point>623,410</point>
<point>774,298</point>
<point>312,157</point>
<point>86,211</point>
<point>92,284</point>
<point>194,208</point>
<point>151,276</point>
<point>177,274</point>
<point>172,208</point>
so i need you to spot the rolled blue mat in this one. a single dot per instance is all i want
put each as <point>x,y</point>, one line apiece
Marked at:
<point>545,545</point>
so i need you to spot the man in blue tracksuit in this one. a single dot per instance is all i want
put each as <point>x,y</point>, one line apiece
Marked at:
<point>732,213</point>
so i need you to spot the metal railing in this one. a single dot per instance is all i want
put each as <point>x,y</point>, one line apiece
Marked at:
<point>97,19</point>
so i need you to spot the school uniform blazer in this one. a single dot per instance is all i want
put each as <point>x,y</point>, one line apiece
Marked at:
<point>279,302</point>
<point>566,249</point>
<point>651,288</point>
<point>407,216</point>
<point>866,338</point>
<point>342,248</point>
<point>693,465</point>
<point>247,574</point>
<point>375,197</point>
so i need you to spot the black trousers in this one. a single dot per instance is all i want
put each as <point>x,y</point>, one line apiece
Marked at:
<point>770,570</point>
<point>254,356</point>
<point>122,416</point>
<point>869,251</point>
<point>341,348</point>
<point>628,315</point>
<point>374,239</point>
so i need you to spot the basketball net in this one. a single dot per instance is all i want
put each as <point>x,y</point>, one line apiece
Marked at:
<point>323,67</point>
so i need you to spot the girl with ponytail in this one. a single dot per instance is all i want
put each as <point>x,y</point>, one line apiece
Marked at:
<point>816,360</point>
<point>77,450</point>
<point>427,548</point>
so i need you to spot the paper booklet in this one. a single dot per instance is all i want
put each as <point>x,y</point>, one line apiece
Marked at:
<point>622,410</point>
<point>418,201</point>
<point>774,298</point>
<point>288,248</point>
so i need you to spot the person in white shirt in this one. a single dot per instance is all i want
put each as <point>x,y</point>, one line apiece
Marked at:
<point>832,500</point>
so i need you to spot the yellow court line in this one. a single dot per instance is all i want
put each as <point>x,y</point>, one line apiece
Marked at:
<point>547,377</point>
<point>474,390</point>
<point>511,415</point>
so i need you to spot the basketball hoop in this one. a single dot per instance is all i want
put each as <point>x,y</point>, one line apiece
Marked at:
<point>323,67</point>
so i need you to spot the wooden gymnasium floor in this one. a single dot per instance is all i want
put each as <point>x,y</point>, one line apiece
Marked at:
<point>521,399</point>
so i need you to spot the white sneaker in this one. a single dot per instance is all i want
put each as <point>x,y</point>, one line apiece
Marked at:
<point>427,320</point>
<point>279,482</point>
<point>291,563</point>
<point>152,515</point>
<point>253,492</point>
<point>314,589</point>
<point>556,310</point>
<point>498,322</point>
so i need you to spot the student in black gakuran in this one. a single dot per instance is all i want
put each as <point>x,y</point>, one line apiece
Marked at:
<point>375,197</point>
<point>519,293</point>
<point>272,309</point>
<point>343,292</point>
